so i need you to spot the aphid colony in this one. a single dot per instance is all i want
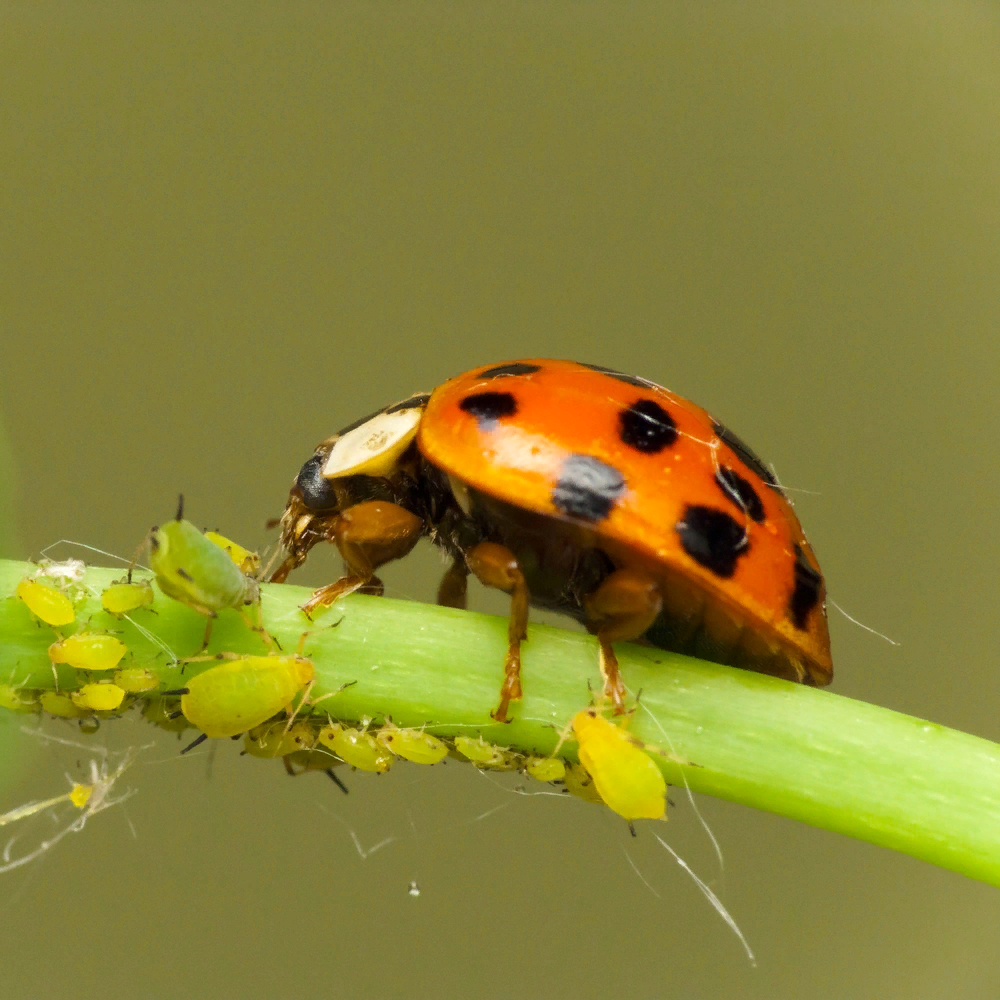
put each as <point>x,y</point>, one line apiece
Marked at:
<point>266,698</point>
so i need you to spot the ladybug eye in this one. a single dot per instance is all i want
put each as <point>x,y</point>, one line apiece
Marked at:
<point>317,492</point>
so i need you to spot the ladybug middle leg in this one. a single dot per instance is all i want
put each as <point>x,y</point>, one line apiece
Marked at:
<point>367,535</point>
<point>496,566</point>
<point>625,604</point>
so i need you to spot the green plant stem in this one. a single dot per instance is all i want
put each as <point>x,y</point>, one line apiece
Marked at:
<point>808,754</point>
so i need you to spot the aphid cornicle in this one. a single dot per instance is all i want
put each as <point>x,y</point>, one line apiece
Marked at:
<point>200,573</point>
<point>579,489</point>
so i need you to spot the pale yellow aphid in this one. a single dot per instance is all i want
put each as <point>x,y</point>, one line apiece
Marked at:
<point>61,705</point>
<point>136,680</point>
<point>581,784</point>
<point>17,699</point>
<point>121,598</point>
<point>276,739</point>
<point>412,744</point>
<point>46,603</point>
<point>626,777</point>
<point>487,755</point>
<point>356,747</point>
<point>104,697</point>
<point>248,562</point>
<point>88,651</point>
<point>545,768</point>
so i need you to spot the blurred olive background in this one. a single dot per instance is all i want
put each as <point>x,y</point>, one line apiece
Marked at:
<point>229,230</point>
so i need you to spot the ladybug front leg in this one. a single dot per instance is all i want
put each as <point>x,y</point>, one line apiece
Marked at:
<point>496,566</point>
<point>622,608</point>
<point>367,536</point>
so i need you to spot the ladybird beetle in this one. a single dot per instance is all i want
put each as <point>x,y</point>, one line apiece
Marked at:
<point>579,489</point>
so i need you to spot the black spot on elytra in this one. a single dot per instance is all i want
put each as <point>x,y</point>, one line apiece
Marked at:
<point>633,380</point>
<point>489,407</point>
<point>588,488</point>
<point>745,454</point>
<point>712,539</point>
<point>317,491</point>
<point>409,404</point>
<point>805,596</point>
<point>740,492</point>
<point>647,427</point>
<point>514,368</point>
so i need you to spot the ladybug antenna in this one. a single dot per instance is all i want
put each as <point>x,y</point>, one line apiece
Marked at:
<point>180,507</point>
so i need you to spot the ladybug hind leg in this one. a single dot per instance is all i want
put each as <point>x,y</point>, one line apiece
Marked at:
<point>621,609</point>
<point>496,566</point>
<point>367,535</point>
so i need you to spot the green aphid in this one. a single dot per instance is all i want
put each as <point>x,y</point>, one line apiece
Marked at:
<point>194,570</point>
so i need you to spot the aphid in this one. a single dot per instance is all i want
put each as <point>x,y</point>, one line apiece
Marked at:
<point>356,747</point>
<point>88,651</point>
<point>136,680</point>
<point>413,744</point>
<point>120,599</point>
<point>46,603</point>
<point>487,755</point>
<point>626,777</point>
<point>101,697</point>
<point>545,768</point>
<point>61,705</point>
<point>580,489</point>
<point>159,711</point>
<point>276,739</point>
<point>248,562</point>
<point>579,783</point>
<point>242,692</point>
<point>193,570</point>
<point>18,699</point>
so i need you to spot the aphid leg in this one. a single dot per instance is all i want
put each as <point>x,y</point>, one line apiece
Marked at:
<point>367,535</point>
<point>208,632</point>
<point>195,742</point>
<point>496,566</point>
<point>622,608</point>
<point>333,777</point>
<point>454,585</point>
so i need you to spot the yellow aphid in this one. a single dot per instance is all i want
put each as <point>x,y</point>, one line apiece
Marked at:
<point>16,699</point>
<point>317,758</point>
<point>121,598</point>
<point>136,680</point>
<point>99,697</point>
<point>248,562</point>
<point>61,705</point>
<point>356,747</point>
<point>626,777</point>
<point>244,692</point>
<point>413,744</point>
<point>50,605</point>
<point>88,651</point>
<point>545,768</point>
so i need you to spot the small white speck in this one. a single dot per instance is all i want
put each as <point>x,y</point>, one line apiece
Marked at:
<point>374,666</point>
<point>700,729</point>
<point>413,889</point>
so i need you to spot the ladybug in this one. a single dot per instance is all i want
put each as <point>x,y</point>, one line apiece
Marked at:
<point>579,489</point>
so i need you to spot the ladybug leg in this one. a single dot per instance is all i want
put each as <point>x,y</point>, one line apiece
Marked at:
<point>621,608</point>
<point>367,535</point>
<point>496,566</point>
<point>452,589</point>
